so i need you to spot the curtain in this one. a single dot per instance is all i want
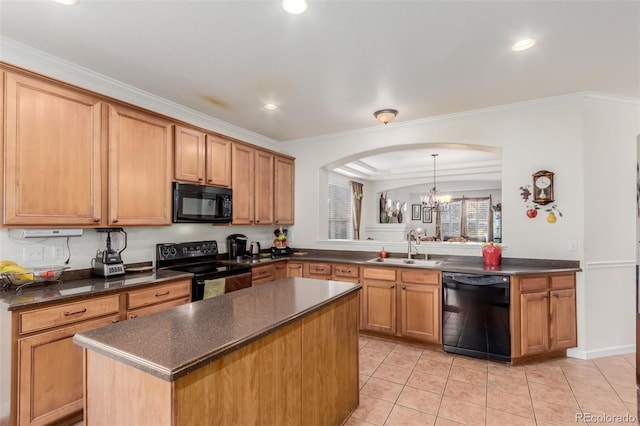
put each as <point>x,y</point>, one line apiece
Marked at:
<point>356,194</point>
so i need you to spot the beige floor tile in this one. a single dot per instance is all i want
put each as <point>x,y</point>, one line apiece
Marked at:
<point>624,377</point>
<point>356,422</point>
<point>631,359</point>
<point>372,410</point>
<point>509,402</point>
<point>418,399</point>
<point>502,418</point>
<point>548,412</point>
<point>392,373</point>
<point>402,359</point>
<point>626,393</point>
<point>429,366</point>
<point>374,353</point>
<point>516,380</point>
<point>561,396</point>
<point>381,345</point>
<point>427,382</point>
<point>363,380</point>
<point>589,385</point>
<point>588,371</point>
<point>403,416</point>
<point>467,392</point>
<point>468,362</point>
<point>514,389</point>
<point>408,350</point>
<point>368,366</point>
<point>381,389</point>
<point>462,412</point>
<point>600,403</point>
<point>441,421</point>
<point>470,375</point>
<point>362,341</point>
<point>439,356</point>
<point>557,380</point>
<point>508,371</point>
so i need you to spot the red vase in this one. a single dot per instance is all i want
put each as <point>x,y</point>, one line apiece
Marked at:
<point>492,254</point>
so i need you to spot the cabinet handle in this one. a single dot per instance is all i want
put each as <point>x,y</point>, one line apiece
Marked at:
<point>115,220</point>
<point>199,179</point>
<point>546,296</point>
<point>276,220</point>
<point>96,219</point>
<point>404,288</point>
<point>556,296</point>
<point>162,294</point>
<point>82,311</point>
<point>393,286</point>
<point>257,221</point>
<point>209,180</point>
<point>115,321</point>
<point>133,316</point>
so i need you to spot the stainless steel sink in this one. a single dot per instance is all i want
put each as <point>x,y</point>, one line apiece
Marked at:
<point>418,263</point>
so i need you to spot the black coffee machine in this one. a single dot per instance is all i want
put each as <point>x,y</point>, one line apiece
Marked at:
<point>237,246</point>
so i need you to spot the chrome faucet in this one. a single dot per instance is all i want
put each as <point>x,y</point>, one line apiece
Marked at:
<point>415,237</point>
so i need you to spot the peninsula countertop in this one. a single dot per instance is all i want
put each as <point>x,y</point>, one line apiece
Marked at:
<point>173,343</point>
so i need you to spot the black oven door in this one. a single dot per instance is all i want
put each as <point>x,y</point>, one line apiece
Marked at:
<point>199,203</point>
<point>206,286</point>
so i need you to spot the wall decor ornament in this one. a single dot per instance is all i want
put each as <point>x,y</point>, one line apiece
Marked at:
<point>427,215</point>
<point>542,195</point>
<point>416,211</point>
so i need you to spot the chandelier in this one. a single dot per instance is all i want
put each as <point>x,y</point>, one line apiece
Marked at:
<point>434,200</point>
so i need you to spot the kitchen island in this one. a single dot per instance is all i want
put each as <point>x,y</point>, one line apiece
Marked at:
<point>281,353</point>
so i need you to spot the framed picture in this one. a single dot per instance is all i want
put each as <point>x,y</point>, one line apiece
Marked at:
<point>427,215</point>
<point>415,211</point>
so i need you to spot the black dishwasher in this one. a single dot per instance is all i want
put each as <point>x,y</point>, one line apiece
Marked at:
<point>475,315</point>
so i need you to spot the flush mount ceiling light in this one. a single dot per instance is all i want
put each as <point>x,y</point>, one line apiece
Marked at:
<point>523,44</point>
<point>67,2</point>
<point>294,7</point>
<point>385,116</point>
<point>270,106</point>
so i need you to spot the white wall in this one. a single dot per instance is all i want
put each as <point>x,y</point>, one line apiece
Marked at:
<point>587,140</point>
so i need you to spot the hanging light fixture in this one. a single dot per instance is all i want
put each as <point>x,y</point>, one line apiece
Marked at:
<point>294,7</point>
<point>386,116</point>
<point>434,200</point>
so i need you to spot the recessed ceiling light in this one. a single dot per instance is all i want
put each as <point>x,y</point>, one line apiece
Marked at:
<point>523,44</point>
<point>295,7</point>
<point>270,106</point>
<point>67,2</point>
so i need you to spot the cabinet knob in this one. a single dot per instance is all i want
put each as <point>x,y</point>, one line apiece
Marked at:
<point>393,286</point>
<point>257,221</point>
<point>96,219</point>
<point>276,220</point>
<point>210,180</point>
<point>115,220</point>
<point>199,179</point>
<point>404,287</point>
<point>115,321</point>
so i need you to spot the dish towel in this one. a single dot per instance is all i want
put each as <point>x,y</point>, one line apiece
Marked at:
<point>213,288</point>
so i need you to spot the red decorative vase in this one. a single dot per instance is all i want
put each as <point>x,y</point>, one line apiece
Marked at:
<point>492,254</point>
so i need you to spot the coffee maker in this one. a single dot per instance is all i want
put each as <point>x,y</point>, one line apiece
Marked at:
<point>108,263</point>
<point>237,246</point>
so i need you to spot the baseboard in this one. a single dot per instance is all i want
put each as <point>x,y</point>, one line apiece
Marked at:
<point>599,353</point>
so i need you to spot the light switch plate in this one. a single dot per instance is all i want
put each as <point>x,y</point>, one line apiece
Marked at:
<point>33,254</point>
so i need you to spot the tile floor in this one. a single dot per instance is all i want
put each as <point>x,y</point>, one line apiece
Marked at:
<point>402,384</point>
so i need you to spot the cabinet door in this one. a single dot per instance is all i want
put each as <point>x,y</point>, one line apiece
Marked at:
<point>189,155</point>
<point>294,269</point>
<point>50,374</point>
<point>283,191</point>
<point>262,274</point>
<point>140,158</point>
<point>534,323</point>
<point>52,154</point>
<point>242,184</point>
<point>281,270</point>
<point>420,312</point>
<point>263,188</point>
<point>218,161</point>
<point>563,319</point>
<point>379,306</point>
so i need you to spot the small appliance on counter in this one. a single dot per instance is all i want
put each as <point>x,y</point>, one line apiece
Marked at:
<point>281,251</point>
<point>255,248</point>
<point>108,263</point>
<point>237,246</point>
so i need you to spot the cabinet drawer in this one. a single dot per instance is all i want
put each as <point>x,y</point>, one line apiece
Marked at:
<point>157,294</point>
<point>419,277</point>
<point>385,274</point>
<point>157,308</point>
<point>346,271</point>
<point>533,284</point>
<point>320,269</point>
<point>562,282</point>
<point>263,273</point>
<point>68,313</point>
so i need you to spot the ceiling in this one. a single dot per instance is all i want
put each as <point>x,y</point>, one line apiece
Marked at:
<point>331,67</point>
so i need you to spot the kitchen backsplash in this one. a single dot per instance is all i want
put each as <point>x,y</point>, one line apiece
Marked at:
<point>141,242</point>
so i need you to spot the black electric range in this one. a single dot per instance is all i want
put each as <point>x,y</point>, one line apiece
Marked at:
<point>199,258</point>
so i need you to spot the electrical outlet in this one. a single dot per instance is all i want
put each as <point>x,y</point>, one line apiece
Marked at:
<point>572,246</point>
<point>33,254</point>
<point>57,252</point>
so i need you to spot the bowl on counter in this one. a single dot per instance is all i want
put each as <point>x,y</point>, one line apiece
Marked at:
<point>34,274</point>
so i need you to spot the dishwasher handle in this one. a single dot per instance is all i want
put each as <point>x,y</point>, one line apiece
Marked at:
<point>474,279</point>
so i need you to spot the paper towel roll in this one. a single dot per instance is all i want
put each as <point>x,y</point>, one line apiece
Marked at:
<point>213,288</point>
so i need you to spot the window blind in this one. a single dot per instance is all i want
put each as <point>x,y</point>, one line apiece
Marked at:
<point>340,222</point>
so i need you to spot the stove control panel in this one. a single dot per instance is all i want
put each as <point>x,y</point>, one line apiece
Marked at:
<point>174,251</point>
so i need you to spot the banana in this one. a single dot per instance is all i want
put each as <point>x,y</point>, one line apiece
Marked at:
<point>4,263</point>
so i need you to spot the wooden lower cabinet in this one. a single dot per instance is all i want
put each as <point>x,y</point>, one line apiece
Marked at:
<point>294,269</point>
<point>544,310</point>
<point>317,270</point>
<point>280,270</point>
<point>50,374</point>
<point>379,300</point>
<point>263,274</point>
<point>47,364</point>
<point>418,308</point>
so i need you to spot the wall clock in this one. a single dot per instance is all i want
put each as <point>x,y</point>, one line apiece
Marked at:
<point>543,187</point>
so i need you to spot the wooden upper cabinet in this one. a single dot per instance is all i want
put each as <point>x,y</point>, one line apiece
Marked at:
<point>263,187</point>
<point>283,191</point>
<point>140,172</point>
<point>53,154</point>
<point>242,183</point>
<point>189,155</point>
<point>218,161</point>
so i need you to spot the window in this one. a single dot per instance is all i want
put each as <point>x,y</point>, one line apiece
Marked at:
<point>467,217</point>
<point>340,219</point>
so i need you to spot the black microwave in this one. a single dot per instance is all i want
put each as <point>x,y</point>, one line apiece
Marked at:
<point>201,204</point>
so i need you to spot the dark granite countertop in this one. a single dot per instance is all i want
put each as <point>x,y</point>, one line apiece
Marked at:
<point>450,263</point>
<point>173,343</point>
<point>46,293</point>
